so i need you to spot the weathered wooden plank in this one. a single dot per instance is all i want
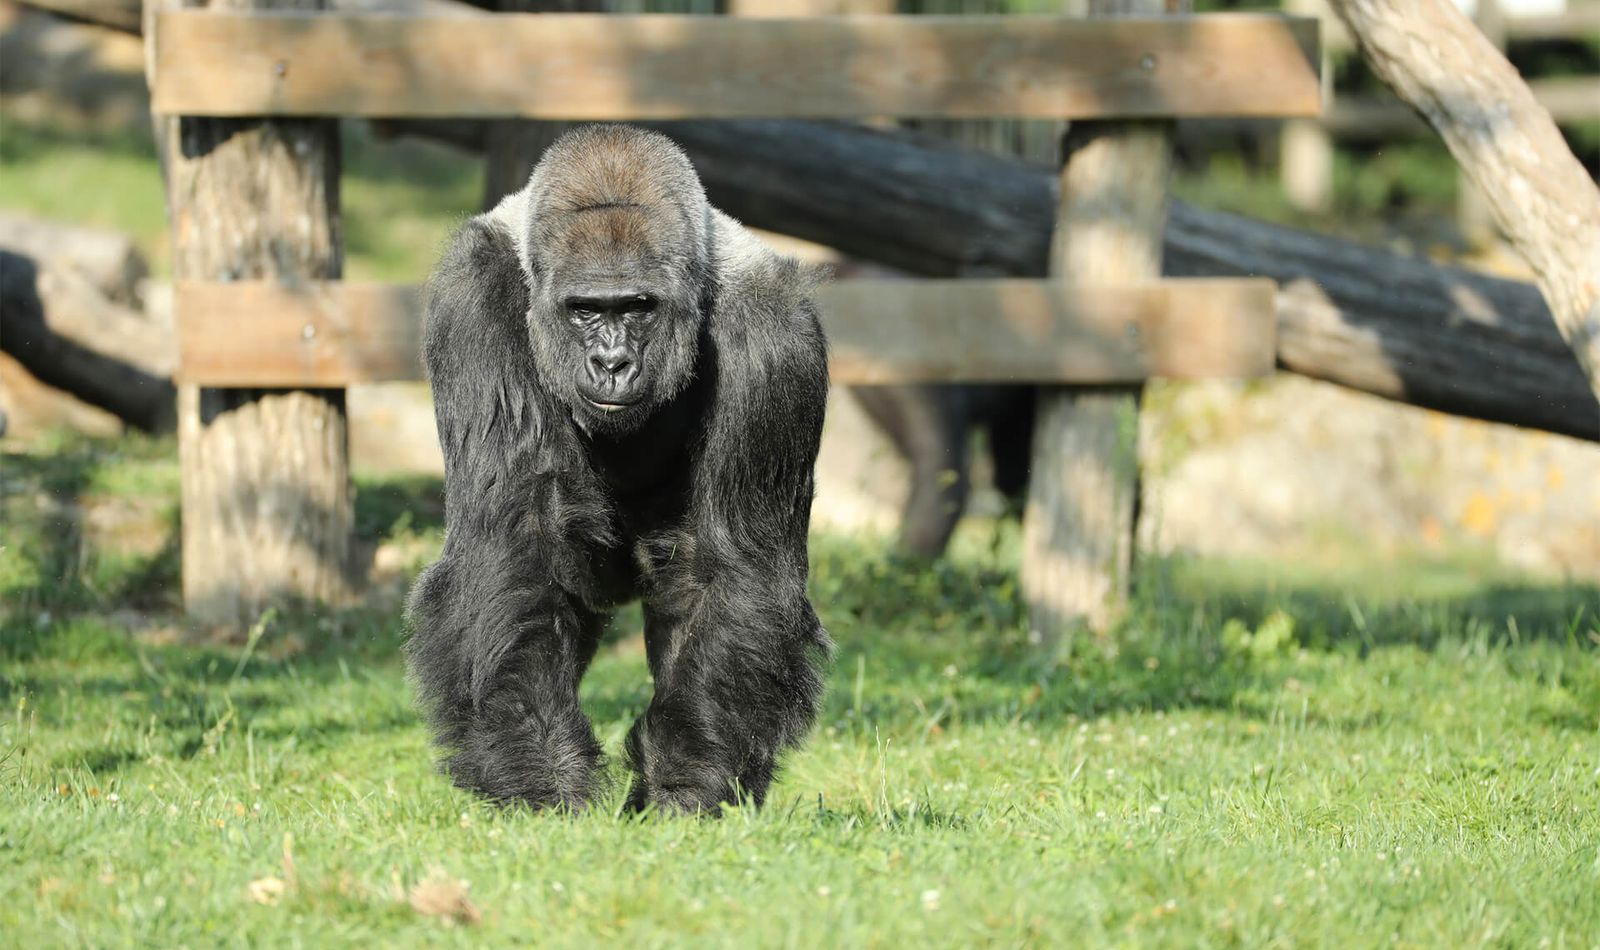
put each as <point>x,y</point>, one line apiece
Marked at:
<point>334,334</point>
<point>314,334</point>
<point>587,67</point>
<point>945,331</point>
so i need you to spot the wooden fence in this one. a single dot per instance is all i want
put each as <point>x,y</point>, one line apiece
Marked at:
<point>292,331</point>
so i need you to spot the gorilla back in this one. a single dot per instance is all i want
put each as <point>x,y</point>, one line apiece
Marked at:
<point>629,391</point>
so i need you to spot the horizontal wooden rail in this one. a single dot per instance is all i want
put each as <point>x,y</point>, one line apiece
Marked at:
<point>333,334</point>
<point>593,67</point>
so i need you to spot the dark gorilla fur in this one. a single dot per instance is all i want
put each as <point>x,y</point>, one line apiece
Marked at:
<point>931,427</point>
<point>694,499</point>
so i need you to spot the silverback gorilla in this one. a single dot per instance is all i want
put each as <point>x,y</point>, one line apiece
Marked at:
<point>629,390</point>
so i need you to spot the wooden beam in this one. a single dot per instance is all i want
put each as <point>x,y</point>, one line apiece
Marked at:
<point>334,334</point>
<point>589,67</point>
<point>946,331</point>
<point>313,335</point>
<point>267,500</point>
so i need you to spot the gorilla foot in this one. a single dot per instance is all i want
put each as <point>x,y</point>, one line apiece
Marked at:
<point>519,757</point>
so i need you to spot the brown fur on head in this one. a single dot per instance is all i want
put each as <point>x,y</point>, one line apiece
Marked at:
<point>616,198</point>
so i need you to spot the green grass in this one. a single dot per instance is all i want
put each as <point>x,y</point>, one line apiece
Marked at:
<point>1273,756</point>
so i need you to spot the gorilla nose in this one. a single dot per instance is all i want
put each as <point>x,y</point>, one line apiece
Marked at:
<point>609,363</point>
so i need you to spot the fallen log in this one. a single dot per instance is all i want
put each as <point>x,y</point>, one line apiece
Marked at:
<point>1400,327</point>
<point>62,330</point>
<point>107,259</point>
<point>126,15</point>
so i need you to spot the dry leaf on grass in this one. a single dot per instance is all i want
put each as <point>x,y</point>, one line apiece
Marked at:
<point>440,895</point>
<point>267,890</point>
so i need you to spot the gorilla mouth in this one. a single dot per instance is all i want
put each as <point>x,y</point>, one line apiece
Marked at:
<point>611,406</point>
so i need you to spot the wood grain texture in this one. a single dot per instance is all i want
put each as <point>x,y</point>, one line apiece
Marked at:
<point>587,67</point>
<point>1542,197</point>
<point>319,335</point>
<point>1398,326</point>
<point>267,505</point>
<point>1083,486</point>
<point>333,334</point>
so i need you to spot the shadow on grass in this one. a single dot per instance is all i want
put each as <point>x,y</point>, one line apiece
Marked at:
<point>920,645</point>
<point>951,638</point>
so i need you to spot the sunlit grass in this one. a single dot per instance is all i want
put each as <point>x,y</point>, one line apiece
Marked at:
<point>1268,757</point>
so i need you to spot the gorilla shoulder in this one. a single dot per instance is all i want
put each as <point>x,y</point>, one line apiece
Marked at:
<point>775,290</point>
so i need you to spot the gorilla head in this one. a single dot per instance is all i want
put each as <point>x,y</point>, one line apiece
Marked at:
<point>614,245</point>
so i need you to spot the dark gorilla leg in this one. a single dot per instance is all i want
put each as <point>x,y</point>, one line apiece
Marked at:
<point>1008,412</point>
<point>496,658</point>
<point>930,428</point>
<point>737,681</point>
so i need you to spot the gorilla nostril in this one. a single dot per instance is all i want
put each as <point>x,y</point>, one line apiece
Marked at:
<point>609,364</point>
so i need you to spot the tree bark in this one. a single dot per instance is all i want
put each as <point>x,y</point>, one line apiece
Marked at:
<point>1400,327</point>
<point>1435,59</point>
<point>266,483</point>
<point>1078,526</point>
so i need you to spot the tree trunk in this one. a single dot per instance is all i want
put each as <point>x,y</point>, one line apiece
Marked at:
<point>1404,328</point>
<point>1435,59</point>
<point>266,483</point>
<point>1078,528</point>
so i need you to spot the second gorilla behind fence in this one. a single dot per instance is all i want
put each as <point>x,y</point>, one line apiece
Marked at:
<point>629,390</point>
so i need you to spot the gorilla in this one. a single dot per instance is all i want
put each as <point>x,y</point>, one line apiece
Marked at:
<point>629,390</point>
<point>931,427</point>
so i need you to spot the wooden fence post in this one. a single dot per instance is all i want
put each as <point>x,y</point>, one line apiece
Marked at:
<point>266,477</point>
<point>1078,528</point>
<point>1305,149</point>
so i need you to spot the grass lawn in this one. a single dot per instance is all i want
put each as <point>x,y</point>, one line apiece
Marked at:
<point>1273,757</point>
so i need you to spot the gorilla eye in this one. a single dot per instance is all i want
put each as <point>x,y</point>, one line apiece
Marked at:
<point>644,303</point>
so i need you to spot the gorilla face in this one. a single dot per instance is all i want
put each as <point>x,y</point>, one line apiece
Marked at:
<point>614,326</point>
<point>616,256</point>
<point>618,342</point>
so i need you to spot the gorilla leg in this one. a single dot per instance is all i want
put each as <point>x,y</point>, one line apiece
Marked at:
<point>1008,412</point>
<point>497,653</point>
<point>737,681</point>
<point>930,428</point>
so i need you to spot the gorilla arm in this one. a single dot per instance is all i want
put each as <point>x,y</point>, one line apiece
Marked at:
<point>497,644</point>
<point>735,646</point>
